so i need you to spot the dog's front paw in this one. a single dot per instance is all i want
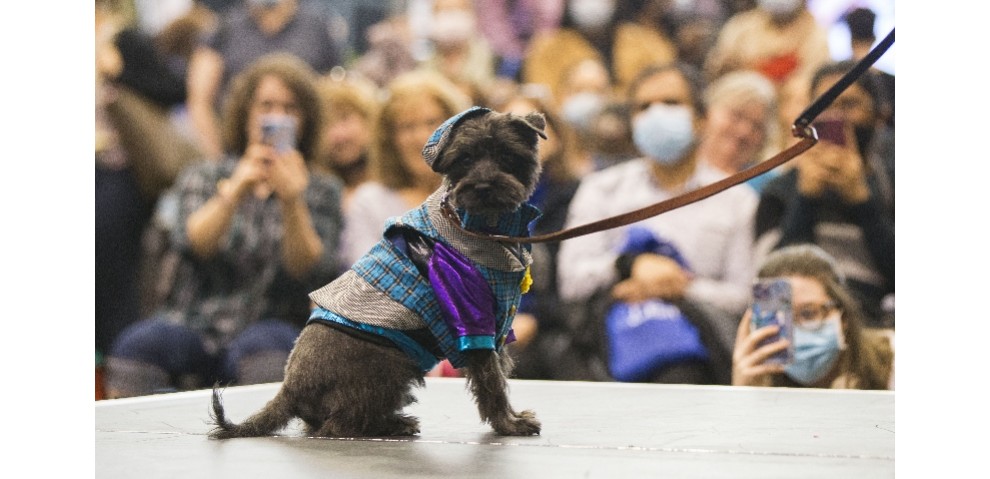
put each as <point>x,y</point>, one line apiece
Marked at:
<point>521,424</point>
<point>403,425</point>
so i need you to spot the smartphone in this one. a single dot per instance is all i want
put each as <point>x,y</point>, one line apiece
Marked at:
<point>772,305</point>
<point>279,131</point>
<point>832,131</point>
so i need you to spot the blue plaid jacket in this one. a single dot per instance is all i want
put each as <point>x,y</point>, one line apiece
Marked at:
<point>384,293</point>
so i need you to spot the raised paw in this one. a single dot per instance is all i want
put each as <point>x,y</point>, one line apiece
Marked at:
<point>521,424</point>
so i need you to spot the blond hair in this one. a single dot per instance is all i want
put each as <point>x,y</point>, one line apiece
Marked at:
<point>385,162</point>
<point>741,87</point>
<point>342,96</point>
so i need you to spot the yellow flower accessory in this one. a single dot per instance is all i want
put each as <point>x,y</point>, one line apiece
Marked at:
<point>527,281</point>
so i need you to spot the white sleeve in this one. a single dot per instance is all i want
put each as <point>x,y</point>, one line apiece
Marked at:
<point>731,291</point>
<point>586,263</point>
<point>364,222</point>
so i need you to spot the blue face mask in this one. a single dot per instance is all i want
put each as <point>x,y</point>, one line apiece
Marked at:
<point>665,133</point>
<point>815,352</point>
<point>581,109</point>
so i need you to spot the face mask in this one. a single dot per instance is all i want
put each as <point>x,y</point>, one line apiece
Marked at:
<point>664,132</point>
<point>779,8</point>
<point>581,109</point>
<point>815,352</point>
<point>264,3</point>
<point>683,7</point>
<point>591,13</point>
<point>452,26</point>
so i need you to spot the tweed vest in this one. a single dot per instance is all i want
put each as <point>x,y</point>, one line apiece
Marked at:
<point>384,292</point>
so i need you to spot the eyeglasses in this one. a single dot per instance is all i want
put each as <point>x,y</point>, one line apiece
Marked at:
<point>811,317</point>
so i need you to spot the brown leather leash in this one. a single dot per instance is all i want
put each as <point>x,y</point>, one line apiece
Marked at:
<point>801,128</point>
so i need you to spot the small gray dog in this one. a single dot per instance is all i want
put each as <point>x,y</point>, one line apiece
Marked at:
<point>427,291</point>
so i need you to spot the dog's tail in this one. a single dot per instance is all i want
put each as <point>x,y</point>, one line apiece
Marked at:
<point>274,416</point>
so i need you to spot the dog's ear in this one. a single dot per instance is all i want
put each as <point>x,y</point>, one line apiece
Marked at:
<point>536,122</point>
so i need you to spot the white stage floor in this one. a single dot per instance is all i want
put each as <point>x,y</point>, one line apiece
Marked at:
<point>607,430</point>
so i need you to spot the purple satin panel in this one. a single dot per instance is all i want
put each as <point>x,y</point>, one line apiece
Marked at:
<point>464,296</point>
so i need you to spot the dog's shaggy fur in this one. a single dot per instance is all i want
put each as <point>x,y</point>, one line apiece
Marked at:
<point>342,385</point>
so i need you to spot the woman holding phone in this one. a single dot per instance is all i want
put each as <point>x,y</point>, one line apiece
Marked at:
<point>250,237</point>
<point>839,194</point>
<point>831,347</point>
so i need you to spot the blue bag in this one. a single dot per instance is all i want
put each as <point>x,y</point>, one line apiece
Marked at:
<point>646,336</point>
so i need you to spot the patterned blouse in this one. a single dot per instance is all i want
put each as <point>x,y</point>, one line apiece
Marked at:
<point>246,279</point>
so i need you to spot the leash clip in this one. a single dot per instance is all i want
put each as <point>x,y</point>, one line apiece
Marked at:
<point>804,131</point>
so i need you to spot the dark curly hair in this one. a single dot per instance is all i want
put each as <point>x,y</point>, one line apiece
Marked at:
<point>298,77</point>
<point>690,74</point>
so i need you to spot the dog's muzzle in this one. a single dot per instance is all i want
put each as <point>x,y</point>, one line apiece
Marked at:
<point>495,195</point>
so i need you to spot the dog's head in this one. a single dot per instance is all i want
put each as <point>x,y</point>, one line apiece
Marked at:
<point>489,159</point>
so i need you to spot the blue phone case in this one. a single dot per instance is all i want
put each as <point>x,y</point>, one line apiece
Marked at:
<point>772,305</point>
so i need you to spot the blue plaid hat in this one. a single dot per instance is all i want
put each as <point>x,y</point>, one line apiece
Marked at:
<point>439,137</point>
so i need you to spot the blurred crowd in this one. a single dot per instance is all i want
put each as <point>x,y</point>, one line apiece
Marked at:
<point>211,230</point>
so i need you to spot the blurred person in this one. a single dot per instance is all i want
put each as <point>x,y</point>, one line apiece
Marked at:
<point>350,105</point>
<point>713,236</point>
<point>793,97</point>
<point>599,118</point>
<point>389,51</point>
<point>177,40</point>
<point>132,81</point>
<point>121,208</point>
<point>179,37</point>
<point>737,6</point>
<point>542,341</point>
<point>861,22</point>
<point>778,38</point>
<point>832,347</point>
<point>741,124</point>
<point>840,197</point>
<point>595,29</point>
<point>244,33</point>
<point>584,92</point>
<point>254,234</point>
<point>509,26</point>
<point>611,139</point>
<point>460,51</point>
<point>417,103</point>
<point>688,269</point>
<point>139,63</point>
<point>692,25</point>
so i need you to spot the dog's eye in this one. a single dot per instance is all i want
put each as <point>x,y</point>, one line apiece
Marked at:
<point>460,163</point>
